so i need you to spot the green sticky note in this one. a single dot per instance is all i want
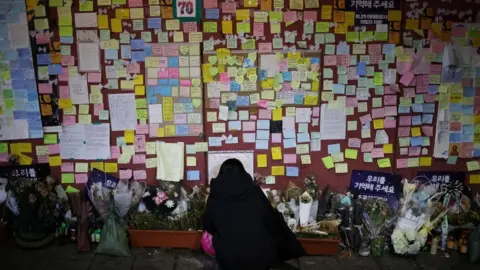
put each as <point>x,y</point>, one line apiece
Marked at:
<point>381,36</point>
<point>351,153</point>
<point>3,148</point>
<point>68,178</point>
<point>328,162</point>
<point>71,189</point>
<point>50,139</point>
<point>452,160</point>
<point>7,93</point>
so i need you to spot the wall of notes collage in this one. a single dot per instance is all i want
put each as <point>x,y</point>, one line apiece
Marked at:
<point>307,86</point>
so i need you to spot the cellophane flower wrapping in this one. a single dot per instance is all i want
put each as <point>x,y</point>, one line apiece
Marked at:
<point>304,208</point>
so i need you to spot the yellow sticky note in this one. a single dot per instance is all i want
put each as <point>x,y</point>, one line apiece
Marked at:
<point>129,136</point>
<point>306,159</point>
<point>65,103</point>
<point>277,114</point>
<point>84,109</point>
<point>191,161</point>
<point>378,123</point>
<point>474,178</point>
<point>388,148</point>
<point>326,12</point>
<point>140,90</point>
<point>278,170</point>
<point>473,165</point>
<point>85,119</point>
<point>111,167</point>
<point>136,13</point>
<point>384,163</point>
<point>351,153</point>
<point>425,161</point>
<point>412,24</point>
<point>25,160</point>
<point>54,161</point>
<point>242,14</point>
<point>96,165</point>
<point>262,160</point>
<point>277,153</point>
<point>416,132</point>
<point>161,132</point>
<point>122,13</point>
<point>227,27</point>
<point>103,22</point>
<point>116,25</point>
<point>394,15</point>
<point>328,162</point>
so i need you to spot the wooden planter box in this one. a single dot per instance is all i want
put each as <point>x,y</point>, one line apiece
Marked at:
<point>320,246</point>
<point>165,239</point>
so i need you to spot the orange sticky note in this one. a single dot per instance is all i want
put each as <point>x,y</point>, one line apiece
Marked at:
<point>338,16</point>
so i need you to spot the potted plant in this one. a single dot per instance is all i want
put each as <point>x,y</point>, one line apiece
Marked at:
<point>173,220</point>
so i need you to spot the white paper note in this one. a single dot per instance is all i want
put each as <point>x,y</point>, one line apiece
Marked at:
<point>87,142</point>
<point>78,90</point>
<point>333,123</point>
<point>123,112</point>
<point>170,161</point>
<point>155,115</point>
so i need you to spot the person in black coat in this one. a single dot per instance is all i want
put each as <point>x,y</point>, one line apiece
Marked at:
<point>248,233</point>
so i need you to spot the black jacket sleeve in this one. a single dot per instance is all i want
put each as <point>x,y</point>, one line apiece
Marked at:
<point>207,218</point>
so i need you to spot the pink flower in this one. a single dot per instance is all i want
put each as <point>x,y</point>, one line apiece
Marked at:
<point>160,198</point>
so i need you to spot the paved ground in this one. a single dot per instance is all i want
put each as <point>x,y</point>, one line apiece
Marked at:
<point>66,258</point>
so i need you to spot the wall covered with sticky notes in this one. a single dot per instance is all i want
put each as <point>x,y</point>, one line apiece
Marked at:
<point>311,86</point>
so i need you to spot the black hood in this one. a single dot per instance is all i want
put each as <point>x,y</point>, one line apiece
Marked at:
<point>233,187</point>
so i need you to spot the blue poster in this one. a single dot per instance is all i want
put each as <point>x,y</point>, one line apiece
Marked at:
<point>439,178</point>
<point>380,185</point>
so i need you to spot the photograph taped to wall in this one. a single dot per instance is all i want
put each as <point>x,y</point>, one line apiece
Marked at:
<point>174,90</point>
<point>216,158</point>
<point>88,56</point>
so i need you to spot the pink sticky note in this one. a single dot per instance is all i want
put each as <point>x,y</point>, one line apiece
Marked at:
<point>163,73</point>
<point>139,159</point>
<point>173,73</point>
<point>64,76</point>
<point>406,78</point>
<point>354,142</point>
<point>163,62</point>
<point>390,123</point>
<point>316,112</point>
<point>409,92</point>
<point>422,83</point>
<point>330,60</point>
<point>435,69</point>
<point>375,59</point>
<point>44,88</point>
<point>378,113</point>
<point>53,149</point>
<point>224,77</point>
<point>180,118</point>
<point>377,153</point>
<point>210,3</point>
<point>152,82</point>
<point>64,91</point>
<point>264,47</point>
<point>405,120</point>
<point>97,108</point>
<point>264,114</point>
<point>248,126</point>
<point>390,110</point>
<point>42,38</point>
<point>157,49</point>
<point>172,50</point>
<point>262,103</point>
<point>140,174</point>
<point>437,46</point>
<point>69,120</point>
<point>142,129</point>
<point>403,131</point>
<point>459,31</point>
<point>67,167</point>
<point>343,60</point>
<point>289,158</point>
<point>81,178</point>
<point>258,29</point>
<point>429,98</point>
<point>365,119</point>
<point>135,3</point>
<point>140,143</point>
<point>310,15</point>
<point>466,150</point>
<point>125,174</point>
<point>185,83</point>
<point>374,49</point>
<point>195,129</point>
<point>68,60</point>
<point>95,77</point>
<point>115,152</point>
<point>229,7</point>
<point>4,157</point>
<point>414,151</point>
<point>276,138</point>
<point>427,130</point>
<point>455,126</point>
<point>390,100</point>
<point>352,102</point>
<point>214,103</point>
<point>189,27</point>
<point>283,65</point>
<point>42,159</point>
<point>367,147</point>
<point>402,163</point>
<point>133,68</point>
<point>289,16</point>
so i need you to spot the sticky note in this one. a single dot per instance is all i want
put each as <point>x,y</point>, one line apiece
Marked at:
<point>278,170</point>
<point>68,178</point>
<point>55,161</point>
<point>351,153</point>
<point>262,160</point>
<point>277,114</point>
<point>129,136</point>
<point>328,162</point>
<point>384,163</point>
<point>97,165</point>
<point>81,167</point>
<point>276,153</point>
<point>341,168</point>
<point>111,167</point>
<point>191,161</point>
<point>425,161</point>
<point>292,171</point>
<point>388,148</point>
<point>473,165</point>
<point>416,131</point>
<point>474,179</point>
<point>50,139</point>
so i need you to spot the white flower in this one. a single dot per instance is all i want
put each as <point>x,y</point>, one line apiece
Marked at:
<point>169,204</point>
<point>411,234</point>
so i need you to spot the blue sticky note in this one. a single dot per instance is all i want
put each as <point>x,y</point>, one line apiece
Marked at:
<point>126,52</point>
<point>428,107</point>
<point>343,49</point>
<point>467,109</point>
<point>19,84</point>
<point>212,13</point>
<point>234,87</point>
<point>66,40</point>
<point>163,82</point>
<point>292,171</point>
<point>263,134</point>
<point>214,141</point>
<point>338,88</point>
<point>111,54</point>
<point>456,107</point>
<point>433,89</point>
<point>476,152</point>
<point>193,175</point>
<point>467,133</point>
<point>361,69</point>
<point>289,143</point>
<point>298,99</point>
<point>287,76</point>
<point>152,100</point>
<point>263,124</point>
<point>188,107</point>
<point>314,60</point>
<point>137,44</point>
<point>154,23</point>
<point>455,137</point>
<point>416,120</point>
<point>303,137</point>
<point>288,133</point>
<point>150,91</point>
<point>185,100</point>
<point>427,118</point>
<point>138,56</point>
<point>173,61</point>
<point>243,101</point>
<point>388,48</point>
<point>261,144</point>
<point>468,92</point>
<point>247,62</point>
<point>417,107</point>
<point>262,74</point>
<point>234,125</point>
<point>24,63</point>
<point>23,53</point>
<point>181,130</point>
<point>333,148</point>
<point>416,141</point>
<point>43,59</point>
<point>173,82</point>
<point>147,48</point>
<point>32,105</point>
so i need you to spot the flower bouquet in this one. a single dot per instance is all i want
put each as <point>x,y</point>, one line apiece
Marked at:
<point>376,219</point>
